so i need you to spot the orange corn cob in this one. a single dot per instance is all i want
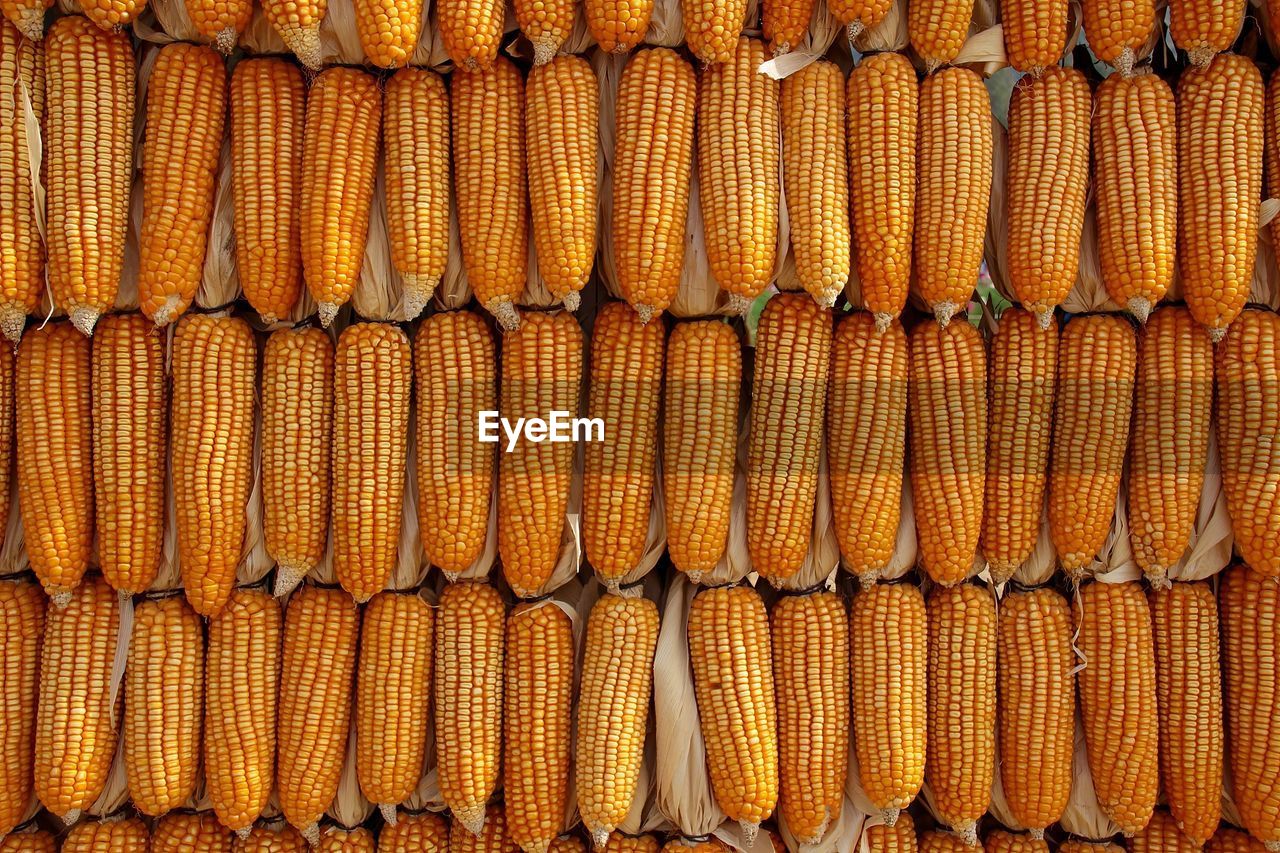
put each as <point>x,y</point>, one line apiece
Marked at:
<point>938,841</point>
<point>88,159</point>
<point>185,832</point>
<point>493,839</point>
<point>899,837</point>
<point>541,373</point>
<point>654,139</point>
<point>419,833</point>
<point>113,15</point>
<point>336,839</point>
<point>1228,840</point>
<point>214,371</point>
<point>882,103</point>
<point>1074,846</point>
<point>1118,29</point>
<point>1161,835</point>
<point>265,839</point>
<point>29,841</point>
<point>693,845</point>
<point>1035,34</point>
<point>388,30</point>
<point>619,842</point>
<point>1271,142</point>
<point>712,29</point>
<point>1220,141</point>
<point>471,31</point>
<point>1000,841</point>
<point>110,835</point>
<point>8,432</point>
<point>547,24</point>
<point>372,385</point>
<point>220,21</point>
<point>297,22</point>
<point>27,18</point>
<point>786,23</point>
<point>938,29</point>
<point>55,454</point>
<point>22,618</point>
<point>858,16</point>
<point>22,64</point>
<point>1096,369</point>
<point>617,25</point>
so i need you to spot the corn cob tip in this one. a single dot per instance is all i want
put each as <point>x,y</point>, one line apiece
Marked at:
<point>288,576</point>
<point>269,319</point>
<point>388,811</point>
<point>418,290</point>
<point>311,834</point>
<point>545,48</point>
<point>13,320</point>
<point>866,580</point>
<point>739,305</point>
<point>943,312</point>
<point>1273,845</point>
<point>1217,333</point>
<point>572,300</point>
<point>61,600</point>
<point>968,833</point>
<point>244,832</point>
<point>1140,308</point>
<point>225,42</point>
<point>782,48</point>
<point>472,819</point>
<point>933,65</point>
<point>1044,316</point>
<point>168,312</point>
<point>327,311</point>
<point>646,313</point>
<point>504,310</point>
<point>74,815</point>
<point>304,43</point>
<point>1125,62</point>
<point>827,300</point>
<point>1157,579</point>
<point>883,321</point>
<point>85,319</point>
<point>694,576</point>
<point>1201,56</point>
<point>890,815</point>
<point>1001,571</point>
<point>749,833</point>
<point>600,837</point>
<point>31,23</point>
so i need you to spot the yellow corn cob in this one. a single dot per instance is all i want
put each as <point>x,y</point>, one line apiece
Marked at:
<point>420,833</point>
<point>731,657</point>
<point>1161,835</point>
<point>1271,142</point>
<point>321,629</point>
<point>938,841</point>
<point>493,839</point>
<point>738,110</point>
<point>214,367</point>
<point>537,716</point>
<point>76,720</point>
<point>1247,603</point>
<point>1096,369</point>
<point>297,432</point>
<point>1037,702</point>
<point>1020,389</point>
<point>816,176</point>
<point>488,159</point>
<point>955,187</point>
<point>1228,840</point>
<point>186,106</point>
<point>618,842</point>
<point>1118,699</point>
<point>468,696</point>
<point>858,16</point>
<point>613,708</point>
<point>1248,388</point>
<point>547,24</point>
<point>712,29</point>
<point>938,29</point>
<point>22,616</point>
<point>126,835</point>
<point>393,696</point>
<point>457,378</point>
<point>416,128</point>
<point>562,124</point>
<point>1220,141</point>
<point>567,844</point>
<point>962,705</point>
<point>887,627</point>
<point>813,709</point>
<point>617,25</point>
<point>541,373</point>
<point>1000,841</point>
<point>657,97</point>
<point>695,845</point>
<point>1074,846</point>
<point>866,440</point>
<point>899,837</point>
<point>55,454</point>
<point>21,246</point>
<point>793,348</point>
<point>186,832</point>
<point>617,485</point>
<point>1045,186</point>
<point>8,433</point>
<point>243,677</point>
<point>336,839</point>
<point>785,24</point>
<point>471,31</point>
<point>1118,29</point>
<point>1035,34</point>
<point>882,103</point>
<point>1174,392</point>
<point>948,434</point>
<point>268,109</point>
<point>339,164</point>
<point>28,841</point>
<point>372,384</point>
<point>263,839</point>
<point>164,703</point>
<point>88,160</point>
<point>130,439</point>
<point>220,21</point>
<point>112,15</point>
<point>388,30</point>
<point>298,24</point>
<point>700,435</point>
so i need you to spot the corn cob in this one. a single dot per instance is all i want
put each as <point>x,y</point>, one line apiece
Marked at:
<point>55,454</point>
<point>788,408</point>
<point>1161,835</point>
<point>1118,29</point>
<point>1271,142</point>
<point>617,484</point>
<point>813,709</point>
<point>948,434</point>
<point>416,129</point>
<point>344,115</point>
<point>613,708</point>
<point>336,839</point>
<point>1000,841</point>
<point>243,676</point>
<point>738,109</point>
<point>164,703</point>
<point>21,246</point>
<point>617,25</point>
<point>1220,141</point>
<point>785,24</point>
<point>1075,846</point>
<point>88,161</point>
<point>468,696</point>
<point>372,384</point>
<point>537,716</point>
<point>1247,602</point>
<point>654,138</point>
<point>321,629</point>
<point>858,16</point>
<point>816,176</point>
<point>1174,391</point>
<point>130,438</point>
<point>112,15</point>
<point>938,841</point>
<point>22,618</point>
<point>1096,369</point>
<point>488,159</point>
<point>298,24</point>
<point>297,431</point>
<point>567,844</point>
<point>125,835</point>
<point>619,842</point>
<point>76,729</point>
<point>1118,699</point>
<point>547,24</point>
<point>420,833</point>
<point>220,21</point>
<point>695,845</point>
<point>264,839</point>
<point>882,104</point>
<point>898,837</point>
<point>493,839</point>
<point>388,30</point>
<point>457,375</point>
<point>186,106</point>
<point>700,433</point>
<point>866,440</point>
<point>1248,387</point>
<point>1228,840</point>
<point>1035,34</point>
<point>29,841</point>
<point>8,433</point>
<point>562,125</point>
<point>268,109</point>
<point>541,373</point>
<point>471,32</point>
<point>712,29</point>
<point>955,187</point>
<point>214,369</point>
<point>938,29</point>
<point>186,832</point>
<point>1037,701</point>
<point>962,705</point>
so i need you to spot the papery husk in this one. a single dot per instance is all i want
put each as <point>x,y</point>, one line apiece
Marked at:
<point>1210,545</point>
<point>220,278</point>
<point>379,291</point>
<point>996,243</point>
<point>255,562</point>
<point>165,21</point>
<point>984,50</point>
<point>905,547</point>
<point>349,808</point>
<point>890,35</point>
<point>1089,294</point>
<point>115,794</point>
<point>823,560</point>
<point>13,553</point>
<point>655,540</point>
<point>454,291</point>
<point>735,563</point>
<point>1115,562</point>
<point>845,833</point>
<point>427,797</point>
<point>1043,562</point>
<point>823,30</point>
<point>411,566</point>
<point>339,37</point>
<point>1083,816</point>
<point>999,807</point>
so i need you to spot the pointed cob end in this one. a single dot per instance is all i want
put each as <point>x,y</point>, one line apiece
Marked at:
<point>545,48</point>
<point>168,312</point>
<point>883,321</point>
<point>59,601</point>
<point>1139,307</point>
<point>471,818</point>
<point>1272,845</point>
<point>890,815</point>
<point>1217,333</point>
<point>695,576</point>
<point>572,300</point>
<point>311,834</point>
<point>327,311</point>
<point>968,833</point>
<point>646,313</point>
<point>1201,56</point>
<point>85,319</point>
<point>828,299</point>
<point>418,290</point>
<point>73,815</point>
<point>1125,62</point>
<point>943,312</point>
<point>738,305</point>
<point>854,30</point>
<point>244,831</point>
<point>508,318</point>
<point>288,576</point>
<point>1044,316</point>
<point>31,23</point>
<point>304,42</point>
<point>749,832</point>
<point>225,42</point>
<point>13,320</point>
<point>1157,579</point>
<point>1037,834</point>
<point>782,49</point>
<point>599,837</point>
<point>388,811</point>
<point>866,580</point>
